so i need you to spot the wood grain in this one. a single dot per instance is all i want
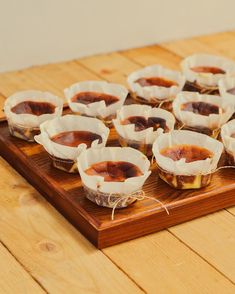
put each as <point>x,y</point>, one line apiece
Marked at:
<point>212,238</point>
<point>52,251</point>
<point>13,278</point>
<point>153,55</point>
<point>65,192</point>
<point>162,264</point>
<point>112,67</point>
<point>52,77</point>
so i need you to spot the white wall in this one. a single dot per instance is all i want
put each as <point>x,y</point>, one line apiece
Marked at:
<point>34,32</point>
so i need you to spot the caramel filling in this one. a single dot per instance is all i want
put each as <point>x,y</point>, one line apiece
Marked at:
<point>75,138</point>
<point>231,91</point>
<point>33,107</point>
<point>201,108</point>
<point>189,152</point>
<point>208,69</point>
<point>91,97</point>
<point>156,81</point>
<point>114,171</point>
<point>141,123</point>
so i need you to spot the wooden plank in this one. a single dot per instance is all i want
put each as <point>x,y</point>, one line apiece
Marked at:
<point>223,43</point>
<point>13,278</point>
<point>187,47</point>
<point>52,77</point>
<point>153,55</point>
<point>213,238</point>
<point>53,252</point>
<point>111,67</point>
<point>160,263</point>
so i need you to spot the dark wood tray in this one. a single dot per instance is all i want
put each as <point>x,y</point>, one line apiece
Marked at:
<point>65,192</point>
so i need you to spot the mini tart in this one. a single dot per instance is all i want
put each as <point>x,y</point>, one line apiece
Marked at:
<point>228,139</point>
<point>227,89</point>
<point>96,99</point>
<point>64,138</point>
<point>107,193</point>
<point>138,126</point>
<point>203,72</point>
<point>186,160</point>
<point>201,113</point>
<point>155,84</point>
<point>26,110</point>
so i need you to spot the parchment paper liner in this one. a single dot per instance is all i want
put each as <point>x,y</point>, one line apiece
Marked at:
<point>26,126</point>
<point>64,157</point>
<point>180,174</point>
<point>155,94</point>
<point>97,109</point>
<point>199,122</point>
<point>141,140</point>
<point>226,84</point>
<point>101,192</point>
<point>206,79</point>
<point>229,143</point>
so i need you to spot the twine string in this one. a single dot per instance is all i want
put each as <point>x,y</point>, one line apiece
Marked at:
<point>138,195</point>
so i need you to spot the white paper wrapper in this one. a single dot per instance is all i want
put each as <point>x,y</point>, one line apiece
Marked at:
<point>30,120</point>
<point>147,136</point>
<point>212,121</point>
<point>156,92</point>
<point>180,167</point>
<point>206,79</point>
<point>226,131</point>
<point>91,156</point>
<point>70,123</point>
<point>96,109</point>
<point>226,84</point>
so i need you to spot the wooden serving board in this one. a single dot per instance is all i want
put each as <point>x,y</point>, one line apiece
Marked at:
<point>65,192</point>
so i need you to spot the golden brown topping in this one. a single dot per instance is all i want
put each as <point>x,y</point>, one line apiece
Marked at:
<point>33,107</point>
<point>208,69</point>
<point>114,171</point>
<point>141,123</point>
<point>189,152</point>
<point>75,138</point>
<point>156,81</point>
<point>91,97</point>
<point>201,108</point>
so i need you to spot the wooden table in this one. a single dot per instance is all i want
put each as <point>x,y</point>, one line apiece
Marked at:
<point>41,252</point>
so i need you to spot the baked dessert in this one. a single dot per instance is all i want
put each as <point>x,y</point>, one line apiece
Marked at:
<point>228,139</point>
<point>66,137</point>
<point>26,110</point>
<point>138,126</point>
<point>185,159</point>
<point>201,113</point>
<point>203,72</point>
<point>96,99</point>
<point>227,89</point>
<point>155,85</point>
<point>112,175</point>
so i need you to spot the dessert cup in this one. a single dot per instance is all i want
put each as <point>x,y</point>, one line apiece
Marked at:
<point>210,69</point>
<point>170,84</point>
<point>90,132</point>
<point>141,134</point>
<point>228,139</point>
<point>196,158</point>
<point>26,110</point>
<point>97,108</point>
<point>112,193</point>
<point>202,113</point>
